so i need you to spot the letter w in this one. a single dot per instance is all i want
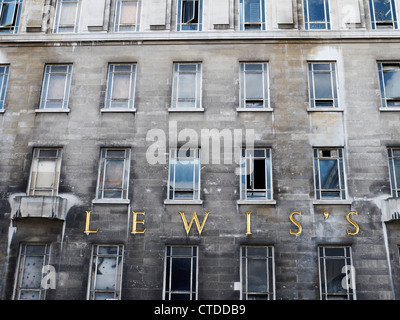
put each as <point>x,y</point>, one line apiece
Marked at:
<point>195,219</point>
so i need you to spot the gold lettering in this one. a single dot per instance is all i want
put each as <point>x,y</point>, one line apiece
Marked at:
<point>195,219</point>
<point>248,214</point>
<point>87,230</point>
<point>354,224</point>
<point>135,221</point>
<point>296,223</point>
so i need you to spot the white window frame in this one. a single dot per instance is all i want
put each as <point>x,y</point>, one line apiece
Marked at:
<point>320,154</point>
<point>384,99</point>
<point>174,154</point>
<point>394,184</point>
<point>118,27</point>
<point>248,154</point>
<point>102,173</point>
<point>4,74</point>
<point>13,25</point>
<point>388,24</point>
<point>32,188</point>
<point>270,260</point>
<point>350,293</point>
<point>70,28</point>
<point>197,100</point>
<point>334,86</point>
<point>197,26</point>
<point>265,85</point>
<point>19,274</point>
<point>249,24</point>
<point>308,23</point>
<point>194,267</point>
<point>130,101</point>
<point>94,261</point>
<point>44,101</point>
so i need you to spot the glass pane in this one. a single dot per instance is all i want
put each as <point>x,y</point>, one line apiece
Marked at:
<point>121,86</point>
<point>35,249</point>
<point>106,270</point>
<point>46,174</point>
<point>259,174</point>
<point>316,10</point>
<point>181,268</point>
<point>116,154</point>
<point>397,171</point>
<point>334,275</point>
<point>68,13</point>
<point>184,175</point>
<point>383,10</point>
<point>257,275</point>
<point>334,252</point>
<point>29,295</point>
<point>32,272</point>
<point>260,252</point>
<point>56,87</point>
<point>180,296</point>
<point>114,174</point>
<point>103,295</point>
<point>329,174</point>
<point>182,251</point>
<point>107,250</point>
<point>187,87</point>
<point>323,85</point>
<point>392,83</point>
<point>7,17</point>
<point>128,12</point>
<point>252,11</point>
<point>188,11</point>
<point>254,86</point>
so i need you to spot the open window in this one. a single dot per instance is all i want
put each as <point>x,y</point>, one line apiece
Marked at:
<point>10,15</point>
<point>190,15</point>
<point>389,79</point>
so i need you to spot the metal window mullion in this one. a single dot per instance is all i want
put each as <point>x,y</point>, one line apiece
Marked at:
<point>111,98</point>
<point>394,175</point>
<point>313,86</point>
<point>326,14</point>
<point>319,177</point>
<point>47,76</point>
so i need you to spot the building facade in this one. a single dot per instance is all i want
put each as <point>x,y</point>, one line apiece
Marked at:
<point>199,149</point>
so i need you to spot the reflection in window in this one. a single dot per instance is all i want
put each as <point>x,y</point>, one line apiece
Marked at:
<point>106,272</point>
<point>32,259</point>
<point>45,172</point>
<point>126,16</point>
<point>329,174</point>
<point>3,84</point>
<point>383,14</point>
<point>316,14</point>
<point>190,15</point>
<point>256,176</point>
<point>184,174</point>
<point>252,15</point>
<point>254,85</point>
<point>186,88</point>
<point>56,87</point>
<point>67,16</point>
<point>335,270</point>
<point>121,86</point>
<point>323,85</point>
<point>10,13</point>
<point>394,171</point>
<point>180,281</point>
<point>257,273</point>
<point>113,174</point>
<point>389,80</point>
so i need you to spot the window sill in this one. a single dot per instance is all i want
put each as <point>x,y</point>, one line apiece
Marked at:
<point>254,109</point>
<point>256,202</point>
<point>186,109</point>
<point>118,110</point>
<point>183,201</point>
<point>52,110</point>
<point>111,201</point>
<point>334,202</point>
<point>331,109</point>
<point>389,109</point>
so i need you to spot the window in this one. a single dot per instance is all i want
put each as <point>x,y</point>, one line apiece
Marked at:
<point>186,86</point>
<point>329,174</point>
<point>106,272</point>
<point>394,171</point>
<point>45,172</point>
<point>252,15</point>
<point>323,85</point>
<point>32,258</point>
<point>184,174</point>
<point>56,87</point>
<point>180,282</point>
<point>67,16</point>
<point>316,14</point>
<point>190,15</point>
<point>389,80</point>
<point>121,86</point>
<point>113,174</point>
<point>126,16</point>
<point>336,273</point>
<point>257,267</point>
<point>254,85</point>
<point>3,85</point>
<point>256,176</point>
<point>383,14</point>
<point>10,15</point>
